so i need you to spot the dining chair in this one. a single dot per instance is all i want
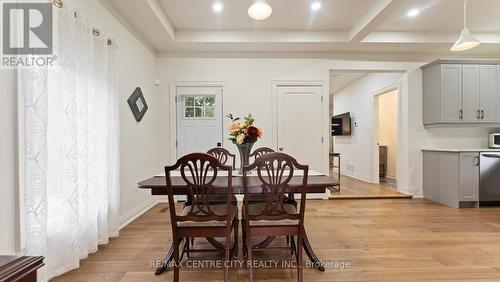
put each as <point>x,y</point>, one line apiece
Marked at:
<point>274,217</point>
<point>260,152</point>
<point>202,219</point>
<point>223,155</point>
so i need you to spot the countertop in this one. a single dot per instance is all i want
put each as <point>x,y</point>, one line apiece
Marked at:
<point>459,150</point>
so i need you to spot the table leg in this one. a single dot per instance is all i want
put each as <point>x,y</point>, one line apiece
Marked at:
<point>310,253</point>
<point>166,261</point>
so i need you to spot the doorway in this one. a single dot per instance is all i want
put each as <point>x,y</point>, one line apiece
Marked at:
<point>199,119</point>
<point>386,136</point>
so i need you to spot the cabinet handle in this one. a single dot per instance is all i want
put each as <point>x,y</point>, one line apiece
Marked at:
<point>461,114</point>
<point>478,114</point>
<point>476,161</point>
<point>482,114</point>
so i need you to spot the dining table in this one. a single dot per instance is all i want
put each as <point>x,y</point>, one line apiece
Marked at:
<point>316,183</point>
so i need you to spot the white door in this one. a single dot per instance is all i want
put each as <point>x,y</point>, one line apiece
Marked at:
<point>199,119</point>
<point>300,124</point>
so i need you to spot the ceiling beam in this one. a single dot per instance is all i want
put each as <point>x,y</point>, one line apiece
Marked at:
<point>372,18</point>
<point>162,17</point>
<point>426,37</point>
<point>244,36</point>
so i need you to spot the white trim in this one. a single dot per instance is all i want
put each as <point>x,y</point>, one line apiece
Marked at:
<point>173,108</point>
<point>135,213</point>
<point>325,113</point>
<point>375,161</point>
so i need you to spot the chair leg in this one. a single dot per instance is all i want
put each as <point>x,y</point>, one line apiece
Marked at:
<point>176,259</point>
<point>227,257</point>
<point>236,234</point>
<point>293,248</point>
<point>244,238</point>
<point>249,258</point>
<point>299,251</point>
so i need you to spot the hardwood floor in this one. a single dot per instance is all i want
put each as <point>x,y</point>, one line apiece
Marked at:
<point>383,240</point>
<point>352,188</point>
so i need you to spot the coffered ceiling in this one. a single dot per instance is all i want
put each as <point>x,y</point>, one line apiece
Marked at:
<point>366,28</point>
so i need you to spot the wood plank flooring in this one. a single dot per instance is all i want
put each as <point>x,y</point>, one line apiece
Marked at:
<point>383,240</point>
<point>351,188</point>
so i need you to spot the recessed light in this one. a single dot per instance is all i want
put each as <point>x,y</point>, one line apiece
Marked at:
<point>413,13</point>
<point>260,11</point>
<point>316,6</point>
<point>217,7</point>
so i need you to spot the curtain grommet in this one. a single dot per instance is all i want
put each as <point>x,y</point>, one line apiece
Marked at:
<point>58,3</point>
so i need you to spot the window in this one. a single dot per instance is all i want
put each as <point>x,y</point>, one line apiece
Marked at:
<point>199,107</point>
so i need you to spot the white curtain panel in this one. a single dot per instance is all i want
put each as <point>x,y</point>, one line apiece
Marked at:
<point>71,156</point>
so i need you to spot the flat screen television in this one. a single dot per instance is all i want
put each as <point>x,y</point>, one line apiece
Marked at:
<point>341,125</point>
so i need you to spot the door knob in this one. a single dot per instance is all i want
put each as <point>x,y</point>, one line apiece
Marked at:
<point>280,148</point>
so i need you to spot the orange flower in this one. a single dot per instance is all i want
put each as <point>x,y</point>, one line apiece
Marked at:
<point>234,127</point>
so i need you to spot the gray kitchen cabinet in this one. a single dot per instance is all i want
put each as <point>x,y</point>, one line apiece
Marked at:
<point>488,93</point>
<point>451,177</point>
<point>461,92</point>
<point>470,94</point>
<point>451,93</point>
<point>468,189</point>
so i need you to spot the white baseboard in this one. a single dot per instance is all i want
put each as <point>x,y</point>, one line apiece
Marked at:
<point>133,214</point>
<point>355,177</point>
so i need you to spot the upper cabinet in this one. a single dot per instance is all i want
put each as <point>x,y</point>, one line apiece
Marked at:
<point>461,92</point>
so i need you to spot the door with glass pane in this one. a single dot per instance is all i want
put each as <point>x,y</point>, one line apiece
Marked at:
<point>199,119</point>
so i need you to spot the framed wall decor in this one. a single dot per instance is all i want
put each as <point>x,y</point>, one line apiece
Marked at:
<point>138,104</point>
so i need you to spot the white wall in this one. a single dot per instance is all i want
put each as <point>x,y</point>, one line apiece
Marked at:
<point>249,85</point>
<point>388,129</point>
<point>248,88</point>
<point>358,99</point>
<point>139,142</point>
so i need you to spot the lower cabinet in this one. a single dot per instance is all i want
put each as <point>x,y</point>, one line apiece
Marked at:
<point>451,178</point>
<point>468,189</point>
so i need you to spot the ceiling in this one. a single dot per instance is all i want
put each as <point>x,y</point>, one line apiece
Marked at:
<point>340,81</point>
<point>367,28</point>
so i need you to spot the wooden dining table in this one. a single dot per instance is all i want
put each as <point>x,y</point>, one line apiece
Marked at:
<point>316,183</point>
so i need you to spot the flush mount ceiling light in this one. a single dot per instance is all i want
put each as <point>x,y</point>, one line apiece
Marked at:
<point>260,11</point>
<point>413,13</point>
<point>315,6</point>
<point>466,40</point>
<point>217,7</point>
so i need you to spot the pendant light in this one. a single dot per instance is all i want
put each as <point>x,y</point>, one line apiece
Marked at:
<point>466,40</point>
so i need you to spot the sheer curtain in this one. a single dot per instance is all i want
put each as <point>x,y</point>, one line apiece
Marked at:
<point>71,150</point>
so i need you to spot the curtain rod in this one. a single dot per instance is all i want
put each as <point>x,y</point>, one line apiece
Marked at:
<point>95,31</point>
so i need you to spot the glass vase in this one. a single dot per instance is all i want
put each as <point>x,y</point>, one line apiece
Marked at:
<point>245,150</point>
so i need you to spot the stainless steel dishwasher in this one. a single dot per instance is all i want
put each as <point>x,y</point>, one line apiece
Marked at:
<point>490,177</point>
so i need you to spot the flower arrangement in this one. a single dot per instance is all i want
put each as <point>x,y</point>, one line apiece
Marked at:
<point>244,132</point>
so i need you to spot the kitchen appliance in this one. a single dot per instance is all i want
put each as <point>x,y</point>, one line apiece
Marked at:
<point>489,177</point>
<point>494,140</point>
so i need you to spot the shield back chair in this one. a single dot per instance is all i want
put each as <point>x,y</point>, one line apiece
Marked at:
<point>274,217</point>
<point>199,173</point>
<point>223,156</point>
<point>260,152</point>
